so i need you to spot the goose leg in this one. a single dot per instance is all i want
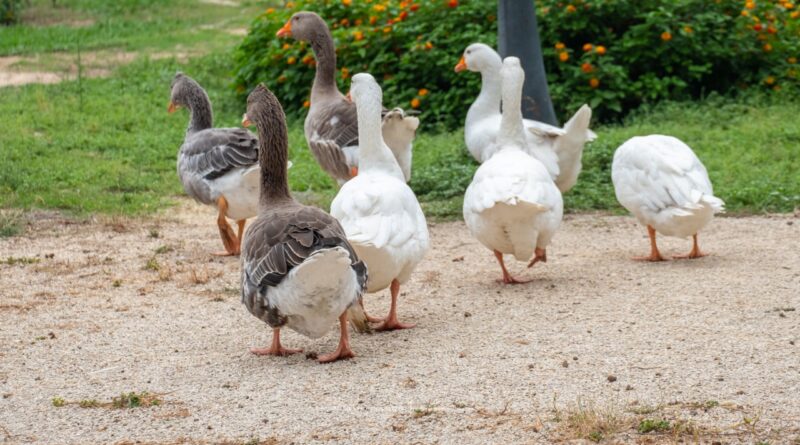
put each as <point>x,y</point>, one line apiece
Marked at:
<point>655,255</point>
<point>695,253</point>
<point>275,348</point>
<point>353,172</point>
<point>240,236</point>
<point>391,323</point>
<point>507,278</point>
<point>343,351</point>
<point>229,239</point>
<point>370,318</point>
<point>539,255</point>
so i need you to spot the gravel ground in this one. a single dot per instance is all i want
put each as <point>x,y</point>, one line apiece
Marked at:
<point>593,347</point>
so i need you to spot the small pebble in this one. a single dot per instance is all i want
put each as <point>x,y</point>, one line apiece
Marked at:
<point>611,378</point>
<point>565,364</point>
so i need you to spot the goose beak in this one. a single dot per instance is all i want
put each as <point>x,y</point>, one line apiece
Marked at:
<point>286,31</point>
<point>172,108</point>
<point>348,97</point>
<point>461,66</point>
<point>245,121</point>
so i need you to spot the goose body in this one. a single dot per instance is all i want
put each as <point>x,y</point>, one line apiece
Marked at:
<point>216,166</point>
<point>662,182</point>
<point>298,270</point>
<point>379,212</point>
<point>331,126</point>
<point>560,150</point>
<point>512,205</point>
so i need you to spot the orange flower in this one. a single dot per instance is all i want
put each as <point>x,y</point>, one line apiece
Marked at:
<point>688,29</point>
<point>767,47</point>
<point>428,45</point>
<point>346,2</point>
<point>291,60</point>
<point>750,5</point>
<point>307,59</point>
<point>345,73</point>
<point>358,35</point>
<point>344,22</point>
<point>281,78</point>
<point>358,22</point>
<point>795,14</point>
<point>402,16</point>
<point>563,57</point>
<point>757,27</point>
<point>286,46</point>
<point>422,92</point>
<point>379,8</point>
<point>792,60</point>
<point>387,29</point>
<point>769,80</point>
<point>666,36</point>
<point>270,10</point>
<point>788,5</point>
<point>600,49</point>
<point>594,82</point>
<point>414,7</point>
<point>415,103</point>
<point>372,20</point>
<point>587,47</point>
<point>559,45</point>
<point>570,8</point>
<point>587,67</point>
<point>290,5</point>
<point>745,13</point>
<point>306,104</point>
<point>772,30</point>
<point>452,3</point>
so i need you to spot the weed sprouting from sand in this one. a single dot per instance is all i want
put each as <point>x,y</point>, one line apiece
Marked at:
<point>11,261</point>
<point>123,401</point>
<point>11,221</point>
<point>653,425</point>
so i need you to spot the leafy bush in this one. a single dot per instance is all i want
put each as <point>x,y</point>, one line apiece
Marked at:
<point>9,11</point>
<point>613,54</point>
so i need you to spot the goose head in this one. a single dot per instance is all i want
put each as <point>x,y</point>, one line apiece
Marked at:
<point>398,128</point>
<point>479,58</point>
<point>185,92</point>
<point>365,92</point>
<point>304,26</point>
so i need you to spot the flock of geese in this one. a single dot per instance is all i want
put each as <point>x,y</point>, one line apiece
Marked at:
<point>303,268</point>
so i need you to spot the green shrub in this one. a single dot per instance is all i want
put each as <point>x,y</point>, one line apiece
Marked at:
<point>9,11</point>
<point>613,54</point>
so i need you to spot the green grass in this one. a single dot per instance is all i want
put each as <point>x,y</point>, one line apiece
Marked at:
<point>109,146</point>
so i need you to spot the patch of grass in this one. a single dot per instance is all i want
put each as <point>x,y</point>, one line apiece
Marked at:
<point>58,402</point>
<point>152,264</point>
<point>135,400</point>
<point>591,423</point>
<point>653,425</point>
<point>11,261</point>
<point>163,249</point>
<point>11,221</point>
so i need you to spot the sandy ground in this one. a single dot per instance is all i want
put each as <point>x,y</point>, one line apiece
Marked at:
<point>710,345</point>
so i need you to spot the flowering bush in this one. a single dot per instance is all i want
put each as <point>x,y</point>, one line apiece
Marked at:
<point>613,54</point>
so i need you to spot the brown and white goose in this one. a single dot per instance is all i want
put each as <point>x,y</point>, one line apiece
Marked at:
<point>298,270</point>
<point>217,166</point>
<point>331,126</point>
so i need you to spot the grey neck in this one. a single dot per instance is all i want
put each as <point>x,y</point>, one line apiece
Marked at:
<point>199,105</point>
<point>325,53</point>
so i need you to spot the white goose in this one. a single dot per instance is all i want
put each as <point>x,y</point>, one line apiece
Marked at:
<point>379,212</point>
<point>512,205</point>
<point>660,180</point>
<point>559,149</point>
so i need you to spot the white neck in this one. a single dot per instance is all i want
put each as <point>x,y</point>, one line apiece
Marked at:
<point>488,101</point>
<point>373,153</point>
<point>511,127</point>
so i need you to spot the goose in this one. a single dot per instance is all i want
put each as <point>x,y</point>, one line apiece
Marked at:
<point>298,270</point>
<point>559,149</point>
<point>662,182</point>
<point>217,166</point>
<point>379,212</point>
<point>512,205</point>
<point>331,126</point>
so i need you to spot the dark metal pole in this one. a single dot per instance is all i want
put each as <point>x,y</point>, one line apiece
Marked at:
<point>518,36</point>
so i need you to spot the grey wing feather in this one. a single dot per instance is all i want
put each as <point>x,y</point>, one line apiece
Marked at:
<point>214,152</point>
<point>331,158</point>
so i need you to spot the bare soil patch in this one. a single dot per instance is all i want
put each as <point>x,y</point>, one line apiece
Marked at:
<point>598,347</point>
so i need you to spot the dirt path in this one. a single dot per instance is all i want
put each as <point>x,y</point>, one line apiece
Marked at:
<point>597,346</point>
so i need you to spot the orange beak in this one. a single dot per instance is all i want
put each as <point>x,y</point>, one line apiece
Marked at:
<point>286,31</point>
<point>245,121</point>
<point>461,66</point>
<point>348,97</point>
<point>172,107</point>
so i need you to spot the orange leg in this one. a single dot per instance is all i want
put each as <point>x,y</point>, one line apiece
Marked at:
<point>391,323</point>
<point>343,351</point>
<point>353,172</point>
<point>370,318</point>
<point>655,255</point>
<point>240,236</point>
<point>276,348</point>
<point>695,253</point>
<point>229,239</point>
<point>539,255</point>
<point>507,278</point>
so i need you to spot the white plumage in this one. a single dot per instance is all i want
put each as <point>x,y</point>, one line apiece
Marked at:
<point>662,182</point>
<point>512,205</point>
<point>379,213</point>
